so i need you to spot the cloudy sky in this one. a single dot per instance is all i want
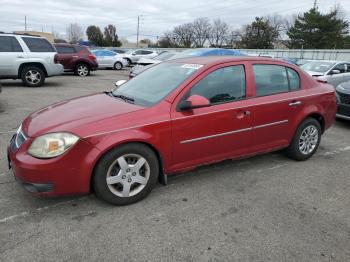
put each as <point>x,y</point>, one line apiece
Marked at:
<point>157,16</point>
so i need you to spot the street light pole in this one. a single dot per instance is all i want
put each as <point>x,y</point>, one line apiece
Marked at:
<point>138,31</point>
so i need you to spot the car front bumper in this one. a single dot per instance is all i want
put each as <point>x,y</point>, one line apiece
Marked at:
<point>343,111</point>
<point>68,174</point>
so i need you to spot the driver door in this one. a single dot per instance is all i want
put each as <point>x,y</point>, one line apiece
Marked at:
<point>218,131</point>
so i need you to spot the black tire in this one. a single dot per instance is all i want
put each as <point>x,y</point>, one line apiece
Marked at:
<point>37,73</point>
<point>108,162</point>
<point>82,70</point>
<point>294,150</point>
<point>118,66</point>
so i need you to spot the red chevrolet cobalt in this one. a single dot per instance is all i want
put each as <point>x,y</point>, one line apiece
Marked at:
<point>171,118</point>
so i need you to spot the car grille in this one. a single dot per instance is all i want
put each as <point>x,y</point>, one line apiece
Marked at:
<point>344,98</point>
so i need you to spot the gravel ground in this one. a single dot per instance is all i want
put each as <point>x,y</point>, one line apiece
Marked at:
<point>266,208</point>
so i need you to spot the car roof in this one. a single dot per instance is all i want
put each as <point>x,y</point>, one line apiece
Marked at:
<point>208,60</point>
<point>15,34</point>
<point>328,61</point>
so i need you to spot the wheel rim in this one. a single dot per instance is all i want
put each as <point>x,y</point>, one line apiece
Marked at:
<point>308,140</point>
<point>128,175</point>
<point>33,76</point>
<point>83,70</point>
<point>118,66</point>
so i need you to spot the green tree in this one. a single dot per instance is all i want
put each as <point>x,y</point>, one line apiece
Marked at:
<point>111,36</point>
<point>316,30</point>
<point>95,35</point>
<point>259,34</point>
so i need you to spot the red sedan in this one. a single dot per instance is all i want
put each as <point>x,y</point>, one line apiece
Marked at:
<point>173,117</point>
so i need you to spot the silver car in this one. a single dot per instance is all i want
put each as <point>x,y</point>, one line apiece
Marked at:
<point>109,59</point>
<point>332,72</point>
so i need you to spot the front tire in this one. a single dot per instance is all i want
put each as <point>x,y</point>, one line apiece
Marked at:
<point>33,76</point>
<point>82,70</point>
<point>126,174</point>
<point>118,66</point>
<point>306,140</point>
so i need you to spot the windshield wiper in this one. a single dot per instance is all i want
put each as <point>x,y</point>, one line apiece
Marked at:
<point>125,98</point>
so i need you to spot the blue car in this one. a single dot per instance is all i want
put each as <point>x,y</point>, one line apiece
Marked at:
<point>190,53</point>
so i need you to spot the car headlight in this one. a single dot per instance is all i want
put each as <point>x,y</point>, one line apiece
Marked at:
<point>52,145</point>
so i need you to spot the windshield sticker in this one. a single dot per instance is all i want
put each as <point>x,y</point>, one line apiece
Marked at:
<point>192,66</point>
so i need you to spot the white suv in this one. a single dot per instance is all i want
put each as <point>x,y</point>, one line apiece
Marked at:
<point>29,58</point>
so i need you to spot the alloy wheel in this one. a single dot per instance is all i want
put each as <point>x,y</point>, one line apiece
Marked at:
<point>128,175</point>
<point>308,140</point>
<point>83,70</point>
<point>33,77</point>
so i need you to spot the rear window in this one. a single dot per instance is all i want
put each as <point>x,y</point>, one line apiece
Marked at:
<point>38,44</point>
<point>65,49</point>
<point>9,44</point>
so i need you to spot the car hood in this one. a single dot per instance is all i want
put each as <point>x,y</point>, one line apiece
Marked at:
<point>312,73</point>
<point>76,115</point>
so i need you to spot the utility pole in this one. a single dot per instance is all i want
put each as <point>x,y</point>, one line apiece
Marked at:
<point>138,31</point>
<point>25,23</point>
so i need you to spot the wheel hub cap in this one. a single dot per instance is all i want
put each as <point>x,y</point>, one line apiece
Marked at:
<point>308,140</point>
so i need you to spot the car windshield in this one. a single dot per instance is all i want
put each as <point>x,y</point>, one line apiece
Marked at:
<point>318,66</point>
<point>156,83</point>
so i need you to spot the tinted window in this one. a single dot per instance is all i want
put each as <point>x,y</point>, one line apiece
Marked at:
<point>38,44</point>
<point>79,48</point>
<point>9,44</point>
<point>65,50</point>
<point>146,52</point>
<point>138,52</point>
<point>270,79</point>
<point>222,85</point>
<point>294,79</point>
<point>340,67</point>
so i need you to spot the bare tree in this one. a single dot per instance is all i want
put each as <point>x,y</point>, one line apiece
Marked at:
<point>218,34</point>
<point>233,38</point>
<point>201,30</point>
<point>183,35</point>
<point>74,33</point>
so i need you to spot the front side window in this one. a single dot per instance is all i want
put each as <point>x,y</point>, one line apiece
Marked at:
<point>222,85</point>
<point>38,44</point>
<point>155,83</point>
<point>270,79</point>
<point>340,67</point>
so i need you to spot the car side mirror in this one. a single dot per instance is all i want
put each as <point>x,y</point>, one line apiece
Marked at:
<point>335,72</point>
<point>120,82</point>
<point>194,101</point>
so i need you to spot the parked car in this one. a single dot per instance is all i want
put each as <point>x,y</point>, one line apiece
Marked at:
<point>134,55</point>
<point>176,116</point>
<point>191,53</point>
<point>145,63</point>
<point>30,58</point>
<point>109,59</point>
<point>120,51</point>
<point>343,99</point>
<point>332,72</point>
<point>76,58</point>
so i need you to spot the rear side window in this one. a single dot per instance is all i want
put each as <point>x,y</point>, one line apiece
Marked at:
<point>9,44</point>
<point>222,85</point>
<point>294,79</point>
<point>65,49</point>
<point>270,79</point>
<point>79,48</point>
<point>38,44</point>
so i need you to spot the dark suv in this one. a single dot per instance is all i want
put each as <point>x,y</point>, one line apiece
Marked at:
<point>76,58</point>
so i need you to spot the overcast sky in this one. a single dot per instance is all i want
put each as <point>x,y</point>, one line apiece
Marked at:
<point>157,16</point>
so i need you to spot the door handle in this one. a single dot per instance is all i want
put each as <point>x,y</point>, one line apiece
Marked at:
<point>295,103</point>
<point>242,114</point>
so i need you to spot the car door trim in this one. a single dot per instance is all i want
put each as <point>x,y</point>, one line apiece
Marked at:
<point>233,132</point>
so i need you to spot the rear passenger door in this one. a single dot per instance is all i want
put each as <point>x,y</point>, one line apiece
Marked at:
<point>275,104</point>
<point>66,55</point>
<point>11,55</point>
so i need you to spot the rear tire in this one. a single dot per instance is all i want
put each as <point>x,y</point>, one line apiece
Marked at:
<point>126,174</point>
<point>306,140</point>
<point>33,76</point>
<point>82,69</point>
<point>118,66</point>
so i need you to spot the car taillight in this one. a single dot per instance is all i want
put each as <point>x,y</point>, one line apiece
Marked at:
<point>92,57</point>
<point>55,59</point>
